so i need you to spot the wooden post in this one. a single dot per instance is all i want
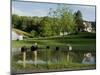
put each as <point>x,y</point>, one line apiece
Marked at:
<point>47,56</point>
<point>47,47</point>
<point>57,51</point>
<point>23,50</point>
<point>24,59</point>
<point>68,57</point>
<point>69,47</point>
<point>35,57</point>
<point>34,51</point>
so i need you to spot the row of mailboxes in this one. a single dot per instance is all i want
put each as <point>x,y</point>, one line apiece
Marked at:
<point>24,48</point>
<point>34,48</point>
<point>48,47</point>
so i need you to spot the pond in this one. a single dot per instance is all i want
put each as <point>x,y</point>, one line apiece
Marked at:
<point>51,60</point>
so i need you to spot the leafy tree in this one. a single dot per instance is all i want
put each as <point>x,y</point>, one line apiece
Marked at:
<point>54,22</point>
<point>14,20</point>
<point>79,21</point>
<point>59,20</point>
<point>46,27</point>
<point>24,23</point>
<point>63,19</point>
<point>34,33</point>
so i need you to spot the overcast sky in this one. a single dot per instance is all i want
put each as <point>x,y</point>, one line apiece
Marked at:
<point>42,9</point>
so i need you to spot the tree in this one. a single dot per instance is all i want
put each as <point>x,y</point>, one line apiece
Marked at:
<point>46,27</point>
<point>34,33</point>
<point>63,19</point>
<point>14,20</point>
<point>55,26</point>
<point>93,25</point>
<point>59,20</point>
<point>79,21</point>
<point>67,21</point>
<point>26,23</point>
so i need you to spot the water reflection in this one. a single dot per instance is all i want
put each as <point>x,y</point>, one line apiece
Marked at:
<point>46,56</point>
<point>88,59</point>
<point>31,62</point>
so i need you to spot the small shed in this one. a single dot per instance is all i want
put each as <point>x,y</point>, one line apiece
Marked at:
<point>16,36</point>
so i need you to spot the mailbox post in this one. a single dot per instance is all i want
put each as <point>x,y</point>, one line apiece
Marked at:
<point>57,48</point>
<point>23,50</point>
<point>57,54</point>
<point>47,54</point>
<point>69,47</point>
<point>34,51</point>
<point>47,47</point>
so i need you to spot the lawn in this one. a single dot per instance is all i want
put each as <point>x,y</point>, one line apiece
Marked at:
<point>82,40</point>
<point>81,43</point>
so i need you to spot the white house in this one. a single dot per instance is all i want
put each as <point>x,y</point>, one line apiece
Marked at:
<point>16,36</point>
<point>88,26</point>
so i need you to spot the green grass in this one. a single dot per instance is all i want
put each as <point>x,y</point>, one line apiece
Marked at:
<point>61,64</point>
<point>18,68</point>
<point>81,42</point>
<point>77,41</point>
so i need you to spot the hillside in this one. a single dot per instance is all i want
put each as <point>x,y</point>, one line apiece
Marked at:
<point>25,34</point>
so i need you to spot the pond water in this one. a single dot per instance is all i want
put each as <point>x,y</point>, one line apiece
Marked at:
<point>31,62</point>
<point>44,56</point>
<point>44,60</point>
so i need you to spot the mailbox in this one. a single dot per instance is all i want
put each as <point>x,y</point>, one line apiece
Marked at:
<point>57,48</point>
<point>23,49</point>
<point>48,47</point>
<point>34,48</point>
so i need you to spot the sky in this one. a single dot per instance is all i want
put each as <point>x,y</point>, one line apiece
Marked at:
<point>42,9</point>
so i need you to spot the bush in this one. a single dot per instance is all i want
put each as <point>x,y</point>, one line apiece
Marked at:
<point>34,33</point>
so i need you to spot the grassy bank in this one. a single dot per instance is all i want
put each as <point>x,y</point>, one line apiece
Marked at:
<point>81,40</point>
<point>18,68</point>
